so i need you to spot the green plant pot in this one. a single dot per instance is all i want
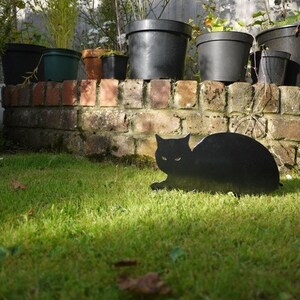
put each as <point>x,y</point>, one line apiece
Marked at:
<point>61,64</point>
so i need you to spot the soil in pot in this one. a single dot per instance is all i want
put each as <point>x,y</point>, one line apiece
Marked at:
<point>157,48</point>
<point>223,56</point>
<point>19,60</point>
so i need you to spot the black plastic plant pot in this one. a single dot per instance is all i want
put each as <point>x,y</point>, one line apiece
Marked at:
<point>223,56</point>
<point>19,60</point>
<point>270,66</point>
<point>61,64</point>
<point>157,48</point>
<point>114,66</point>
<point>286,39</point>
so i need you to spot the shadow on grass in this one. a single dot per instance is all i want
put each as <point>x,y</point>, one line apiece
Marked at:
<point>289,186</point>
<point>229,251</point>
<point>226,256</point>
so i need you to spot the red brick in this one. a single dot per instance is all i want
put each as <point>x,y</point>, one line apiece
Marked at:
<point>6,96</point>
<point>53,93</point>
<point>109,92</point>
<point>69,92</point>
<point>185,94</point>
<point>25,95</point>
<point>88,92</point>
<point>160,93</point>
<point>38,93</point>
<point>15,96</point>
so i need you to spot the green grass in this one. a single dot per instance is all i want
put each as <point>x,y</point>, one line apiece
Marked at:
<point>60,237</point>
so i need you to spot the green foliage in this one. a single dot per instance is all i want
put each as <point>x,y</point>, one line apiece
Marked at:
<point>61,22</point>
<point>60,18</point>
<point>102,22</point>
<point>28,34</point>
<point>213,21</point>
<point>65,228</point>
<point>141,9</point>
<point>8,9</point>
<point>17,31</point>
<point>280,15</point>
<point>107,21</point>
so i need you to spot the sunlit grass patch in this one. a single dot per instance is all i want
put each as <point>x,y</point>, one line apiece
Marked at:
<point>62,234</point>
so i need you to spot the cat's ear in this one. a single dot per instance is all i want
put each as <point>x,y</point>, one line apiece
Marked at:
<point>187,138</point>
<point>158,139</point>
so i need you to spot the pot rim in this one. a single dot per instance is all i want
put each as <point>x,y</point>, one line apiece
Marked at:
<point>24,46</point>
<point>273,53</point>
<point>115,55</point>
<point>159,25</point>
<point>61,51</point>
<point>277,32</point>
<point>93,52</point>
<point>225,36</point>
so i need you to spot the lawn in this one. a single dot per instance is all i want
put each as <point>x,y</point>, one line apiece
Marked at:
<point>78,229</point>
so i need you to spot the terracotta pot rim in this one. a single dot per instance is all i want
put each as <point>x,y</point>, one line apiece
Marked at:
<point>97,52</point>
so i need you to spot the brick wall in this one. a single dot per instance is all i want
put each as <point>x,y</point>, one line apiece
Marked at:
<point>89,117</point>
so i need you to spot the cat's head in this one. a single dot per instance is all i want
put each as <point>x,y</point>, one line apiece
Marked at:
<point>173,155</point>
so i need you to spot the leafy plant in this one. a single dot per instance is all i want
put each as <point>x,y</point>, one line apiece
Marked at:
<point>213,20</point>
<point>101,22</point>
<point>279,15</point>
<point>107,21</point>
<point>8,11</point>
<point>142,9</point>
<point>60,18</point>
<point>61,21</point>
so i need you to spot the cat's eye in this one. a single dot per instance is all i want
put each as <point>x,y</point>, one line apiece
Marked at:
<point>164,158</point>
<point>178,159</point>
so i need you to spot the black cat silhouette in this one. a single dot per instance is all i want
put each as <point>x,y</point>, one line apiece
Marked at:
<point>221,162</point>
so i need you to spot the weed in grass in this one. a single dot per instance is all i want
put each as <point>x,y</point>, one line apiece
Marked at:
<point>76,219</point>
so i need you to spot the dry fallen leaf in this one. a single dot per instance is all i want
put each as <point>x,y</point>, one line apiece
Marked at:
<point>149,284</point>
<point>30,212</point>
<point>127,262</point>
<point>17,185</point>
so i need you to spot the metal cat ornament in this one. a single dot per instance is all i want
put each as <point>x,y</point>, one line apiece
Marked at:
<point>221,162</point>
